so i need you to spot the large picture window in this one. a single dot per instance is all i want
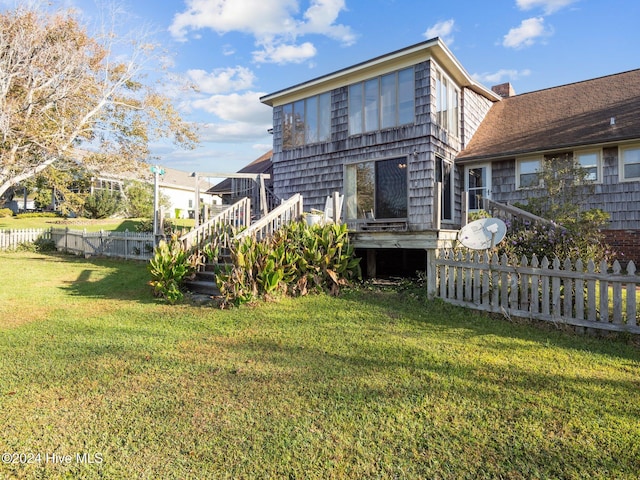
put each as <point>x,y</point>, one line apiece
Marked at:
<point>382,102</point>
<point>306,121</point>
<point>376,190</point>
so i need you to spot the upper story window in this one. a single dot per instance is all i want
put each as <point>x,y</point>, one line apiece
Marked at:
<point>306,121</point>
<point>630,163</point>
<point>447,104</point>
<point>382,102</point>
<point>590,162</point>
<point>528,172</point>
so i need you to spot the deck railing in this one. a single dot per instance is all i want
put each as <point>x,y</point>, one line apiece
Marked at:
<point>237,216</point>
<point>509,212</point>
<point>287,212</point>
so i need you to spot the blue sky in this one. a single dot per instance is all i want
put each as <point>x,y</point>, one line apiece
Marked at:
<point>238,50</point>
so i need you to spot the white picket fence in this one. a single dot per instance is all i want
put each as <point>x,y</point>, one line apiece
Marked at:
<point>556,291</point>
<point>131,245</point>
<point>12,239</point>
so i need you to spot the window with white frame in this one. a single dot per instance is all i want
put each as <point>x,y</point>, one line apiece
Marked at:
<point>382,102</point>
<point>447,104</point>
<point>630,162</point>
<point>528,172</point>
<point>306,121</point>
<point>590,162</point>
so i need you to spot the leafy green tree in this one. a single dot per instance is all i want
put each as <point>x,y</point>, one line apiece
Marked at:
<point>102,204</point>
<point>67,92</point>
<point>139,201</point>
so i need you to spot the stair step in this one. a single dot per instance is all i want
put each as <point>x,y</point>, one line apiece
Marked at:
<point>202,286</point>
<point>206,275</point>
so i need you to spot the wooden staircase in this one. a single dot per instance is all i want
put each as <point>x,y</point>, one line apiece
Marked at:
<point>233,223</point>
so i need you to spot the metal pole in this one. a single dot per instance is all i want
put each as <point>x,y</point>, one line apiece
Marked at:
<point>197,202</point>
<point>156,173</point>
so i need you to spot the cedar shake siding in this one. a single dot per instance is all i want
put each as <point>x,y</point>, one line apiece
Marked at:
<point>600,116</point>
<point>317,170</point>
<point>457,123</point>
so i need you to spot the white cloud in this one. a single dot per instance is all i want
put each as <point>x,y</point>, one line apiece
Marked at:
<point>257,17</point>
<point>443,29</point>
<point>282,54</point>
<point>320,18</point>
<point>236,107</point>
<point>240,132</point>
<point>502,75</point>
<point>276,25</point>
<point>222,80</point>
<point>526,34</point>
<point>548,6</point>
<point>242,117</point>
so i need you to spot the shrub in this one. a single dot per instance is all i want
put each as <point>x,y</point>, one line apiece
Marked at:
<point>577,239</point>
<point>146,225</point>
<point>565,188</point>
<point>297,259</point>
<point>139,202</point>
<point>38,215</point>
<point>40,245</point>
<point>102,204</point>
<point>6,212</point>
<point>170,265</point>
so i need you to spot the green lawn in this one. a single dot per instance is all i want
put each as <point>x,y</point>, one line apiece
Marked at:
<point>113,224</point>
<point>371,384</point>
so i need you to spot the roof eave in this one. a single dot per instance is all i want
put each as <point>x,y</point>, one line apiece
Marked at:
<point>545,150</point>
<point>435,46</point>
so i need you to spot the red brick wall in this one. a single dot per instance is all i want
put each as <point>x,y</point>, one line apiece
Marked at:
<point>626,243</point>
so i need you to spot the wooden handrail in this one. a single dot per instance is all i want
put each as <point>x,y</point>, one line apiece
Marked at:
<point>237,215</point>
<point>492,206</point>
<point>287,212</point>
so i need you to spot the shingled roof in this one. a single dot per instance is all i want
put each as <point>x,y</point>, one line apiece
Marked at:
<point>597,111</point>
<point>261,164</point>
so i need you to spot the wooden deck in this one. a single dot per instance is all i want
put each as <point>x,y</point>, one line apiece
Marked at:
<point>427,239</point>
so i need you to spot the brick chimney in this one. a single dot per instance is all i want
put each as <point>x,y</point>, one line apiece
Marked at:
<point>505,90</point>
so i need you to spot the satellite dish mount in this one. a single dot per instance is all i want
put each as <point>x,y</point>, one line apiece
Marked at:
<point>482,234</point>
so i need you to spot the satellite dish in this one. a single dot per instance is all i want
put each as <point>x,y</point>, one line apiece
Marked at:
<point>482,234</point>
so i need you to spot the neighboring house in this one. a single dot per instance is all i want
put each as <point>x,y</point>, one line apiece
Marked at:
<point>233,189</point>
<point>176,185</point>
<point>391,132</point>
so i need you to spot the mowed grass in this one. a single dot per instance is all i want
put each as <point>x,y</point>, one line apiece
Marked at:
<point>107,224</point>
<point>371,384</point>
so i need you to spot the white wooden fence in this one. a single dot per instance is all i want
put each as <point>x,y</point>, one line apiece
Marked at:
<point>556,291</point>
<point>131,245</point>
<point>12,239</point>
